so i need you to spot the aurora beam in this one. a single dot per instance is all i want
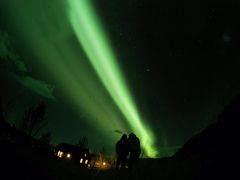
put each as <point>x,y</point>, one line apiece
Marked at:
<point>95,43</point>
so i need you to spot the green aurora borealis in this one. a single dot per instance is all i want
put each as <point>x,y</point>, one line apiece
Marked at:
<point>92,38</point>
<point>108,105</point>
<point>161,69</point>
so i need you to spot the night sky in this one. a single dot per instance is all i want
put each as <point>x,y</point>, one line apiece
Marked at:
<point>179,61</point>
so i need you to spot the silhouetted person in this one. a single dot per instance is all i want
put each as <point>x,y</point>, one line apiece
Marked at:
<point>122,152</point>
<point>133,144</point>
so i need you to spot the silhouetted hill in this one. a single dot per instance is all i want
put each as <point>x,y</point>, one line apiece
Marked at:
<point>221,135</point>
<point>212,153</point>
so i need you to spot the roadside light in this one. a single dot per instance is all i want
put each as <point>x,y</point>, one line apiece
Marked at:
<point>104,163</point>
<point>86,161</point>
<point>68,155</point>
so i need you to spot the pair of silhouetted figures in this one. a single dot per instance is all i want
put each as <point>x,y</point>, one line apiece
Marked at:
<point>128,146</point>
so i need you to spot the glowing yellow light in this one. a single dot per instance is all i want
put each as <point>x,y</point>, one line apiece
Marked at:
<point>86,161</point>
<point>81,160</point>
<point>68,155</point>
<point>104,163</point>
<point>60,154</point>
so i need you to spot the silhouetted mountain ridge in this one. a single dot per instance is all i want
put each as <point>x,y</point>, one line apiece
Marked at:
<point>219,136</point>
<point>211,153</point>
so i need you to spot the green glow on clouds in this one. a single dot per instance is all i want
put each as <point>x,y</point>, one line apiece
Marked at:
<point>43,28</point>
<point>92,38</point>
<point>47,30</point>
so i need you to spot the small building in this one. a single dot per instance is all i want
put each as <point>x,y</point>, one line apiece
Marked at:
<point>73,153</point>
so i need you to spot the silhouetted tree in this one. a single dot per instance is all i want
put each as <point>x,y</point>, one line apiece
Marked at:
<point>103,151</point>
<point>83,142</point>
<point>34,119</point>
<point>2,120</point>
<point>4,56</point>
<point>46,137</point>
<point>1,112</point>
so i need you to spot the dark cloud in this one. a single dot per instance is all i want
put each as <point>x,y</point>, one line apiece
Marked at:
<point>18,69</point>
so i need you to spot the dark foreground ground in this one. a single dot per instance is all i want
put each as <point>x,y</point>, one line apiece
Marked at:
<point>22,162</point>
<point>211,154</point>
